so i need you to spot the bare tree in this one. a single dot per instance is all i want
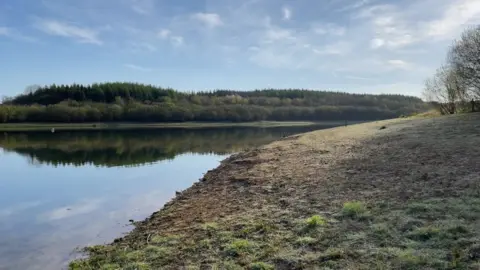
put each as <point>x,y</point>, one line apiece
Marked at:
<point>447,89</point>
<point>464,57</point>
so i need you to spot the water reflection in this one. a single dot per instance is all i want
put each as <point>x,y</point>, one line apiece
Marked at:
<point>135,147</point>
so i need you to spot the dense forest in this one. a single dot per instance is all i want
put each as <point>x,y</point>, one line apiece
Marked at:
<point>132,102</point>
<point>136,147</point>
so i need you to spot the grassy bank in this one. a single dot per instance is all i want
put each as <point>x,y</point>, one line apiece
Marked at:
<point>397,194</point>
<point>109,126</point>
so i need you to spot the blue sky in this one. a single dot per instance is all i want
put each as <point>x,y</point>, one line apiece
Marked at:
<point>366,46</point>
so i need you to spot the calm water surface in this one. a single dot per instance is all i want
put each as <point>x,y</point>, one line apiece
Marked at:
<point>64,190</point>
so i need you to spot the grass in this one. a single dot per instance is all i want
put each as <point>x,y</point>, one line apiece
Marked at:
<point>383,243</point>
<point>344,198</point>
<point>315,221</point>
<point>110,126</point>
<point>354,209</point>
<point>261,266</point>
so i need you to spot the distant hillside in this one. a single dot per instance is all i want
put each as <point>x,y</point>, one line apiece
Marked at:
<point>147,103</point>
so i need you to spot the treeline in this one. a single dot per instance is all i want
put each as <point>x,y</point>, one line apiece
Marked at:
<point>110,102</point>
<point>455,86</point>
<point>137,147</point>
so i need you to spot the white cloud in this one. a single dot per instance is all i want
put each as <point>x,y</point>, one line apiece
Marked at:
<point>164,33</point>
<point>397,26</point>
<point>455,17</point>
<point>398,64</point>
<point>368,38</point>
<point>80,34</point>
<point>287,13</point>
<point>377,43</point>
<point>138,68</point>
<point>211,20</point>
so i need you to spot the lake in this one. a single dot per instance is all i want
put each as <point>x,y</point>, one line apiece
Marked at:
<point>65,190</point>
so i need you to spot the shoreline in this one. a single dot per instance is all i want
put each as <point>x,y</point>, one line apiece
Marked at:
<point>338,198</point>
<point>125,125</point>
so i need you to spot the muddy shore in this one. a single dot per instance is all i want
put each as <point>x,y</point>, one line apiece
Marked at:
<point>395,194</point>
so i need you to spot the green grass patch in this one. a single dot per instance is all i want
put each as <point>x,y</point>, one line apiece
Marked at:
<point>261,266</point>
<point>416,235</point>
<point>353,209</point>
<point>305,241</point>
<point>315,221</point>
<point>424,233</point>
<point>240,247</point>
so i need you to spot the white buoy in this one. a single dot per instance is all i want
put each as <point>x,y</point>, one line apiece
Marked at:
<point>53,130</point>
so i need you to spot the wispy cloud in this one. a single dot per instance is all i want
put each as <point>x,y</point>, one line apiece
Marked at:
<point>166,34</point>
<point>396,27</point>
<point>177,41</point>
<point>15,34</point>
<point>287,13</point>
<point>211,20</point>
<point>355,39</point>
<point>356,5</point>
<point>142,7</point>
<point>62,29</point>
<point>398,64</point>
<point>138,68</point>
<point>455,17</point>
<point>4,31</point>
<point>141,47</point>
<point>329,28</point>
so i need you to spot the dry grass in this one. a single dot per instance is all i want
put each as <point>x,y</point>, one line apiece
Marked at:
<point>356,197</point>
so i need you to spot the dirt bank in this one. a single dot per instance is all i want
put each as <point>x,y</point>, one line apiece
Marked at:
<point>397,194</point>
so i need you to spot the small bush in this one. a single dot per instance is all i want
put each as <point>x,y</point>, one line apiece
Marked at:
<point>315,221</point>
<point>261,266</point>
<point>239,248</point>
<point>354,209</point>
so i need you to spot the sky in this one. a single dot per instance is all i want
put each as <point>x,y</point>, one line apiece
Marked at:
<point>361,46</point>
